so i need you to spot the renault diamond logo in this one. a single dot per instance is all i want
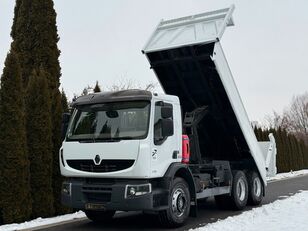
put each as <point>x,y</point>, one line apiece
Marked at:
<point>97,160</point>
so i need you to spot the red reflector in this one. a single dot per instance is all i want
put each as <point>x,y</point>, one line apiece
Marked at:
<point>185,149</point>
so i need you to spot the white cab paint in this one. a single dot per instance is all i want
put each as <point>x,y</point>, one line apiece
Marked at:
<point>164,152</point>
<point>139,150</point>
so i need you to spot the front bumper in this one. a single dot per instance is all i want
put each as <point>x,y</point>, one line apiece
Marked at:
<point>111,194</point>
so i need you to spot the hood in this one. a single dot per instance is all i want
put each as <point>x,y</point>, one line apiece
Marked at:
<point>124,149</point>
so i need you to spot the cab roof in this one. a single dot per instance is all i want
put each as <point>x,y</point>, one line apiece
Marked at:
<point>117,96</point>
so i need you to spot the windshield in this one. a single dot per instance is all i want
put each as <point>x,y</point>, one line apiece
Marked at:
<point>110,122</point>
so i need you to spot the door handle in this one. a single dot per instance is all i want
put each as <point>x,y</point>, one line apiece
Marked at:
<point>175,154</point>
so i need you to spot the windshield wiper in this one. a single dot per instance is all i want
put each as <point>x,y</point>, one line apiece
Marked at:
<point>115,139</point>
<point>86,141</point>
<point>124,138</point>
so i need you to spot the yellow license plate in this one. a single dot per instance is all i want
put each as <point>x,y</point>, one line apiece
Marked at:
<point>95,206</point>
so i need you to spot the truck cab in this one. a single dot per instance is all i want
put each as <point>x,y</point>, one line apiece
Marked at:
<point>147,126</point>
<point>118,149</point>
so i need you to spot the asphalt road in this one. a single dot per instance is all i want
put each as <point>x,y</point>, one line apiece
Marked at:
<point>207,213</point>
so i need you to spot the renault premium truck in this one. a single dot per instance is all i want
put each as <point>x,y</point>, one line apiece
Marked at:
<point>136,150</point>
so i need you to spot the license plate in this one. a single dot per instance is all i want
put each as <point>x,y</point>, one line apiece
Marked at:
<point>93,206</point>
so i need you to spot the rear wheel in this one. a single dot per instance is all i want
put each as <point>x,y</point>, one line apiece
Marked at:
<point>99,216</point>
<point>239,193</point>
<point>178,205</point>
<point>255,188</point>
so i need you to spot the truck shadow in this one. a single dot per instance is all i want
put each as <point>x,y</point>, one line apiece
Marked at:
<point>208,212</point>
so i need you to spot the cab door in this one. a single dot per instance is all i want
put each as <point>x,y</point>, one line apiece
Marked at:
<point>166,142</point>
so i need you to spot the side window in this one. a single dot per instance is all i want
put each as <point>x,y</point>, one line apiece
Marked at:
<point>158,121</point>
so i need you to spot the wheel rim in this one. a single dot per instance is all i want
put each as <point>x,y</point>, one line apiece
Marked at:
<point>257,186</point>
<point>179,202</point>
<point>241,189</point>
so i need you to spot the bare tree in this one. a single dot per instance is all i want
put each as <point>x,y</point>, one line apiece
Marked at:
<point>276,121</point>
<point>297,116</point>
<point>294,119</point>
<point>125,84</point>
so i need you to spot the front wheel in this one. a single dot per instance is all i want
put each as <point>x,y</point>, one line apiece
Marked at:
<point>99,216</point>
<point>178,205</point>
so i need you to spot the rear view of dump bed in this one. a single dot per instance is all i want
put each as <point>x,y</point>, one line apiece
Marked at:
<point>189,62</point>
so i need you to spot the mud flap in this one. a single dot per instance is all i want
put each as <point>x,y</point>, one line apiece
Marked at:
<point>193,208</point>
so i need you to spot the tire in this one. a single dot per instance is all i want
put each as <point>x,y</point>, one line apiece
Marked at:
<point>178,205</point>
<point>99,216</point>
<point>255,188</point>
<point>239,191</point>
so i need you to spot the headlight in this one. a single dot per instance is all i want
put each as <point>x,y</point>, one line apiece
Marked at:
<point>67,188</point>
<point>137,190</point>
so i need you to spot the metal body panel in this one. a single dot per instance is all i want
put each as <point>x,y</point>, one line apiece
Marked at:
<point>200,28</point>
<point>214,192</point>
<point>269,153</point>
<point>111,195</point>
<point>238,108</point>
<point>141,151</point>
<point>197,71</point>
<point>107,97</point>
<point>162,154</point>
<point>125,149</point>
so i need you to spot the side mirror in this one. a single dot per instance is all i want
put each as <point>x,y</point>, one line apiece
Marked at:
<point>166,111</point>
<point>65,119</point>
<point>167,127</point>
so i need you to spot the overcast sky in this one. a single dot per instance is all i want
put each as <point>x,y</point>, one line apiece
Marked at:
<point>102,40</point>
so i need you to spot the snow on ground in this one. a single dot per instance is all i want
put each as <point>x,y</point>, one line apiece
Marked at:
<point>47,221</point>
<point>42,221</point>
<point>285,175</point>
<point>284,215</point>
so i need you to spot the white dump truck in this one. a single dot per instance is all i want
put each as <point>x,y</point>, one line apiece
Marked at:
<point>160,153</point>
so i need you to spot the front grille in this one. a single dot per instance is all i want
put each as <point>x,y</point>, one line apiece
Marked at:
<point>98,197</point>
<point>104,166</point>
<point>97,193</point>
<point>96,188</point>
<point>100,181</point>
